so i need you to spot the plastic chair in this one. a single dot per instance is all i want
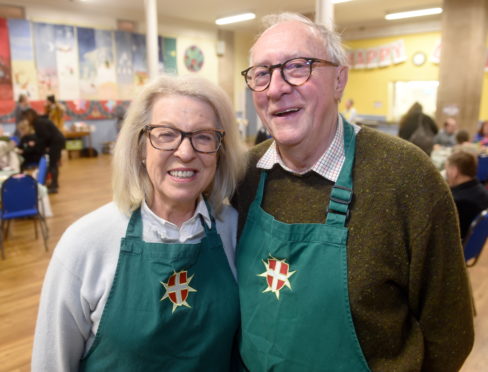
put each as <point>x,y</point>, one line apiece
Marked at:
<point>476,238</point>
<point>482,171</point>
<point>20,200</point>
<point>42,170</point>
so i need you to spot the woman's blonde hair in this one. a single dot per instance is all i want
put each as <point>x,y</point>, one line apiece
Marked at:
<point>130,181</point>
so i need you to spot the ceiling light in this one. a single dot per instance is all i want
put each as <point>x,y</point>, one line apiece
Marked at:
<point>340,1</point>
<point>413,13</point>
<point>235,18</point>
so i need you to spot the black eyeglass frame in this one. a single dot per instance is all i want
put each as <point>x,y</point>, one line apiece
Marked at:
<point>219,132</point>
<point>309,60</point>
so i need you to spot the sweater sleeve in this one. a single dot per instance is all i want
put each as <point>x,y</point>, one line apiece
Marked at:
<point>63,323</point>
<point>440,291</point>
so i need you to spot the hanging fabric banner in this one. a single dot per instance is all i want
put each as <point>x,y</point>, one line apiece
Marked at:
<point>124,65</point>
<point>6,91</point>
<point>22,54</point>
<point>67,63</point>
<point>45,57</point>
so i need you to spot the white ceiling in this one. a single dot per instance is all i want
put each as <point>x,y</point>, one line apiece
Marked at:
<point>350,15</point>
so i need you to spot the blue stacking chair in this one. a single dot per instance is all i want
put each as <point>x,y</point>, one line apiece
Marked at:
<point>482,171</point>
<point>42,170</point>
<point>476,238</point>
<point>20,200</point>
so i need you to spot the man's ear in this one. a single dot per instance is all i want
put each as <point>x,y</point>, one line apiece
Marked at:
<point>342,75</point>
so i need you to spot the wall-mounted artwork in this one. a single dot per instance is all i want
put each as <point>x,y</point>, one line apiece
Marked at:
<point>194,58</point>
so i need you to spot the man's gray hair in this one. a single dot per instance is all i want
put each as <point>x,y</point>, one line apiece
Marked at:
<point>331,40</point>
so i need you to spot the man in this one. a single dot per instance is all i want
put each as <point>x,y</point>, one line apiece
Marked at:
<point>469,194</point>
<point>349,256</point>
<point>350,114</point>
<point>447,136</point>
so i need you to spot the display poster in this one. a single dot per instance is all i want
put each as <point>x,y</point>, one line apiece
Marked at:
<point>45,57</point>
<point>124,65</point>
<point>24,74</point>
<point>167,55</point>
<point>106,81</point>
<point>67,62</point>
<point>139,59</point>
<point>87,57</point>
<point>6,92</point>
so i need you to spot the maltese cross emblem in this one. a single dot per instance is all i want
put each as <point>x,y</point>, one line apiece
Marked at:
<point>276,274</point>
<point>178,288</point>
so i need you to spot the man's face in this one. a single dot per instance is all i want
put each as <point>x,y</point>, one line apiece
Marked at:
<point>451,126</point>
<point>301,117</point>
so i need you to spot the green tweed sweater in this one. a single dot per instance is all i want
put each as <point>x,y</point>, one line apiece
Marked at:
<point>408,287</point>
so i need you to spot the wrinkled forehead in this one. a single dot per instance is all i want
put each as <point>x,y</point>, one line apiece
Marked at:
<point>287,40</point>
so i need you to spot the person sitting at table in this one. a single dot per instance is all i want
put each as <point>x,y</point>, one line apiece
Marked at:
<point>482,136</point>
<point>30,146</point>
<point>148,282</point>
<point>469,194</point>
<point>54,143</point>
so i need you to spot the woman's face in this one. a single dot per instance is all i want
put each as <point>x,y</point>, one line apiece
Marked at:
<point>180,176</point>
<point>485,129</point>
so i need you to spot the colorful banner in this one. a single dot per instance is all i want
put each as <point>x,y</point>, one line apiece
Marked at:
<point>380,56</point>
<point>139,59</point>
<point>106,81</point>
<point>6,91</point>
<point>167,55</point>
<point>67,62</point>
<point>22,53</point>
<point>87,60</point>
<point>124,66</point>
<point>45,56</point>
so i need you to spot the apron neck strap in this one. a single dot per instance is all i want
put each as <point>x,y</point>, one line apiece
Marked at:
<point>341,194</point>
<point>134,229</point>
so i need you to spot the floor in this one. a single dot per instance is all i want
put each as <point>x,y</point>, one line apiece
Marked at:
<point>85,185</point>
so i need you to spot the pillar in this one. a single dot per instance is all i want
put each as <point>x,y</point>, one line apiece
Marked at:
<point>463,56</point>
<point>151,9</point>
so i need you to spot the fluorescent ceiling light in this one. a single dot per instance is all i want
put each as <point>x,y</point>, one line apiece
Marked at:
<point>235,18</point>
<point>340,1</point>
<point>413,13</point>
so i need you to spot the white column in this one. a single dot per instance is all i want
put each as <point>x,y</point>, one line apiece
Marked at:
<point>152,37</point>
<point>324,13</point>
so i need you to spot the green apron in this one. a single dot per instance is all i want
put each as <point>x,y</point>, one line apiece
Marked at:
<point>293,287</point>
<point>172,307</point>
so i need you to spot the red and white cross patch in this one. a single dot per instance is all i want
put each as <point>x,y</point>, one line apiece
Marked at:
<point>276,274</point>
<point>177,289</point>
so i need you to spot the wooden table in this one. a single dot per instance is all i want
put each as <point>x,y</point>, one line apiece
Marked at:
<point>79,135</point>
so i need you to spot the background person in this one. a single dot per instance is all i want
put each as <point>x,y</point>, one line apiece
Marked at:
<point>446,137</point>
<point>30,146</point>
<point>55,112</point>
<point>470,196</point>
<point>418,128</point>
<point>349,256</point>
<point>147,282</point>
<point>53,140</point>
<point>482,135</point>
<point>350,113</point>
<point>21,106</point>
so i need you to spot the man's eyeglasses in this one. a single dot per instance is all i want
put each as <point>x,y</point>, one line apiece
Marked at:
<point>206,141</point>
<point>295,71</point>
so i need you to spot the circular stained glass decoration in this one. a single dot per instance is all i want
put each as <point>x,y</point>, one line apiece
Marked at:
<point>194,58</point>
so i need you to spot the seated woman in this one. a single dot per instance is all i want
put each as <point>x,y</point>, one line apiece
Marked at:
<point>148,282</point>
<point>30,146</point>
<point>482,136</point>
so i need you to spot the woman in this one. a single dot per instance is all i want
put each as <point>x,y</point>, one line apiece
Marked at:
<point>53,140</point>
<point>30,146</point>
<point>482,136</point>
<point>168,301</point>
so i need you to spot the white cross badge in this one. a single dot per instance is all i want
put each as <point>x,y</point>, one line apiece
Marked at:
<point>276,274</point>
<point>178,288</point>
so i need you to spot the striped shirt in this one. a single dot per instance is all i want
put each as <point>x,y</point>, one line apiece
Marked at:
<point>329,164</point>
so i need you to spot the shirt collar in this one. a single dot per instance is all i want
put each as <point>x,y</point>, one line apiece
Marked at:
<point>168,231</point>
<point>328,165</point>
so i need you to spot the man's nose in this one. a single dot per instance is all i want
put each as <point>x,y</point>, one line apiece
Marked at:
<point>277,84</point>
